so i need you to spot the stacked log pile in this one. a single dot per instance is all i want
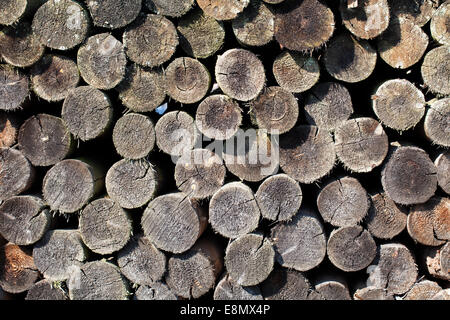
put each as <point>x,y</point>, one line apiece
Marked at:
<point>247,150</point>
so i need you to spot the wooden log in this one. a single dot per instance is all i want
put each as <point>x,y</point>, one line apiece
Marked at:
<point>171,8</point>
<point>385,219</point>
<point>343,202</point>
<point>372,293</point>
<point>53,77</point>
<point>24,219</point>
<point>14,88</point>
<point>199,173</point>
<point>361,144</point>
<point>352,4</point>
<point>229,289</point>
<point>423,290</point>
<point>187,80</point>
<point>279,197</point>
<point>223,9</point>
<point>307,153</point>
<point>273,1</point>
<point>399,104</point>
<point>437,261</point>
<point>142,89</point>
<point>442,295</point>
<point>17,270</point>
<point>150,40</point>
<point>183,276</point>
<point>394,269</point>
<point>134,136</point>
<point>255,25</point>
<point>14,10</point>
<point>368,19</point>
<point>201,36</point>
<point>218,117</point>
<point>295,72</point>
<point>436,125</point>
<point>173,222</point>
<point>275,110</point>
<point>9,128</point>
<point>442,164</point>
<point>429,223</point>
<point>176,133</point>
<point>351,248</point>
<point>233,211</point>
<point>157,291</point>
<point>249,259</point>
<point>403,43</point>
<point>419,12</point>
<point>46,290</point>
<point>328,105</point>
<point>303,26</point>
<point>141,262</point>
<point>240,74</point>
<point>409,176</point>
<point>330,288</point>
<point>61,24</point>
<point>19,46</point>
<point>45,140</point>
<point>348,59</point>
<point>16,174</point>
<point>87,112</point>
<point>97,280</point>
<point>439,23</point>
<point>114,14</point>
<point>59,254</point>
<point>104,226</point>
<point>284,284</point>
<point>435,70</point>
<point>300,244</point>
<point>70,184</point>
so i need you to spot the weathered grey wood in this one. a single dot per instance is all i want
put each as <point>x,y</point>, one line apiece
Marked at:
<point>132,184</point>
<point>45,140</point>
<point>229,289</point>
<point>361,144</point>
<point>429,223</point>
<point>17,270</point>
<point>439,23</point>
<point>46,290</point>
<point>134,136</point>
<point>304,25</point>
<point>19,46</point>
<point>279,197</point>
<point>104,226</point>
<point>437,122</point>
<point>249,259</point>
<point>348,59</point>
<point>442,295</point>
<point>423,290</point>
<point>97,280</point>
<point>157,291</point>
<point>385,219</point>
<point>437,261</point>
<point>150,40</point>
<point>368,19</point>
<point>9,128</point>
<point>53,77</point>
<point>59,254</point>
<point>61,24</point>
<point>14,10</point>
<point>394,269</point>
<point>14,88</point>
<point>372,293</point>
<point>300,244</point>
<point>87,112</point>
<point>70,184</point>
<point>223,9</point>
<point>24,219</point>
<point>194,273</point>
<point>351,248</point>
<point>114,14</point>
<point>187,80</point>
<point>240,74</point>
<point>141,262</point>
<point>201,35</point>
<point>442,164</point>
<point>218,117</point>
<point>435,68</point>
<point>343,202</point>
<point>409,176</point>
<point>285,284</point>
<point>233,211</point>
<point>171,8</point>
<point>307,153</point>
<point>330,288</point>
<point>328,105</point>
<point>17,173</point>
<point>173,222</point>
<point>176,133</point>
<point>295,72</point>
<point>419,12</point>
<point>275,110</point>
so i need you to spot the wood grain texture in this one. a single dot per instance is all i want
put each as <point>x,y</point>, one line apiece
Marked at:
<point>436,125</point>
<point>330,288</point>
<point>435,69</point>
<point>114,14</point>
<point>157,291</point>
<point>372,293</point>
<point>223,9</point>
<point>171,8</point>
<point>439,24</point>
<point>419,12</point>
<point>423,290</point>
<point>285,284</point>
<point>14,88</point>
<point>437,261</point>
<point>228,289</point>
<point>442,164</point>
<point>45,290</point>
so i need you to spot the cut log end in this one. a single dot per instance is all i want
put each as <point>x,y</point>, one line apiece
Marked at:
<point>423,290</point>
<point>419,12</point>
<point>372,293</point>
<point>14,88</point>
<point>284,284</point>
<point>435,70</point>
<point>157,291</point>
<point>438,262</point>
<point>436,124</point>
<point>223,9</point>
<point>229,289</point>
<point>173,8</point>
<point>440,24</point>
<point>442,164</point>
<point>114,13</point>
<point>9,128</point>
<point>12,11</point>
<point>46,290</point>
